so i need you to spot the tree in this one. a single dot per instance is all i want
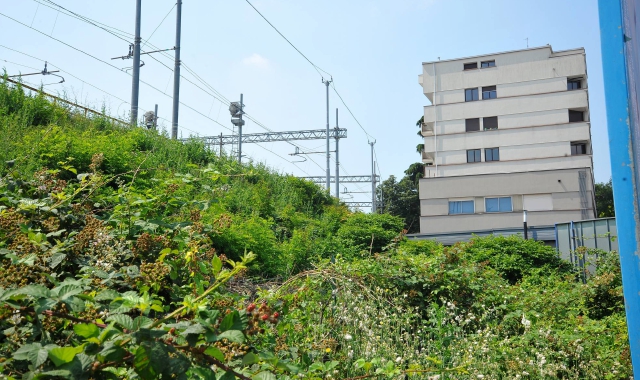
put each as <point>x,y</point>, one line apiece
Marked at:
<point>604,199</point>
<point>400,198</point>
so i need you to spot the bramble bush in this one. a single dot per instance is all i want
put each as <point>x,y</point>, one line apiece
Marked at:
<point>124,254</point>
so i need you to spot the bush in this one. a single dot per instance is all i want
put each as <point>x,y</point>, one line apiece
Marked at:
<point>369,232</point>
<point>514,257</point>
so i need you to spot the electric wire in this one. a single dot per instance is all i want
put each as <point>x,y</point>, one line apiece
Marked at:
<point>106,28</point>
<point>316,67</point>
<point>161,22</point>
<point>219,96</point>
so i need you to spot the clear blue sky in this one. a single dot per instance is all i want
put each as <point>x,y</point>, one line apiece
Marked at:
<point>373,49</point>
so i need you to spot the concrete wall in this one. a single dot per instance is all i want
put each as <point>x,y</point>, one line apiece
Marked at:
<point>561,186</point>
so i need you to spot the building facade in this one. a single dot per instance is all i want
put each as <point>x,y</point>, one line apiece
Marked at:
<point>504,133</point>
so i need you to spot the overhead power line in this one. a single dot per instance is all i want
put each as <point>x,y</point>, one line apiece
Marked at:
<point>119,35</point>
<point>317,68</point>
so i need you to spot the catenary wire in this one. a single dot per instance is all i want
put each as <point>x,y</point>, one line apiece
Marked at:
<point>108,29</point>
<point>104,27</point>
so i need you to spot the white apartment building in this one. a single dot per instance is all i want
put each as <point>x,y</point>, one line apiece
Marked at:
<point>504,133</point>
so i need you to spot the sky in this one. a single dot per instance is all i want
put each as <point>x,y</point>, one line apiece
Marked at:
<point>372,49</point>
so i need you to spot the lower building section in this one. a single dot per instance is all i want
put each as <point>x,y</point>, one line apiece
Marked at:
<point>497,201</point>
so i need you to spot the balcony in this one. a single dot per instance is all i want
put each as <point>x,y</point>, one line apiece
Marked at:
<point>428,158</point>
<point>427,129</point>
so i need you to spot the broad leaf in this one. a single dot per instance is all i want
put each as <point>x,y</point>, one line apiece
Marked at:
<point>216,265</point>
<point>36,291</point>
<point>86,330</point>
<point>122,320</point>
<point>63,355</point>
<point>250,358</point>
<point>232,335</point>
<point>65,291</point>
<point>215,353</point>
<point>264,375</point>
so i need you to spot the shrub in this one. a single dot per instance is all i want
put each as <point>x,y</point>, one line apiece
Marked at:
<point>369,232</point>
<point>514,257</point>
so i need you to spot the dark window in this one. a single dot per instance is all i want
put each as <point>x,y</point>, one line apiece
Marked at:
<point>576,116</point>
<point>489,92</point>
<point>461,207</point>
<point>472,124</point>
<point>492,154</point>
<point>578,148</point>
<point>490,122</point>
<point>574,84</point>
<point>470,94</point>
<point>471,66</point>
<point>473,155</point>
<point>502,204</point>
<point>488,64</point>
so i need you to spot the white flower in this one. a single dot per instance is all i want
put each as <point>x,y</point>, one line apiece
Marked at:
<point>525,321</point>
<point>348,337</point>
<point>480,376</point>
<point>398,359</point>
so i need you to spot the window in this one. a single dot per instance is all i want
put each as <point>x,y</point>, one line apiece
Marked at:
<point>488,64</point>
<point>578,148</point>
<point>473,155</point>
<point>470,94</point>
<point>471,66</point>
<point>489,92</point>
<point>490,123</point>
<point>492,154</point>
<point>461,207</point>
<point>575,116</point>
<point>472,124</point>
<point>574,84</point>
<point>502,204</point>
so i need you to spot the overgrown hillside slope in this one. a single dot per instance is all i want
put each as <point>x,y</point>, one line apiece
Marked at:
<point>127,255</point>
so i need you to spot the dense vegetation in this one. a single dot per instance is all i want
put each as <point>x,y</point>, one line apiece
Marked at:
<point>127,255</point>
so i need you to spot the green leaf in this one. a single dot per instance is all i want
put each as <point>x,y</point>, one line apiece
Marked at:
<point>62,355</point>
<point>65,291</point>
<point>107,294</point>
<point>232,335</point>
<point>194,329</point>
<point>264,375</point>
<point>216,265</point>
<point>56,259</point>
<point>150,360</point>
<point>232,321</point>
<point>36,291</point>
<point>250,358</point>
<point>111,352</point>
<point>44,304</point>
<point>122,320</point>
<point>23,352</point>
<point>86,330</point>
<point>215,353</point>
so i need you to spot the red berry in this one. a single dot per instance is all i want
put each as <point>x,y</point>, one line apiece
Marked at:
<point>276,314</point>
<point>251,307</point>
<point>264,317</point>
<point>172,331</point>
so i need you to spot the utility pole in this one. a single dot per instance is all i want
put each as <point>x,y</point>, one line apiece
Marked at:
<point>176,73</point>
<point>373,181</point>
<point>155,118</point>
<point>524,222</point>
<point>135,85</point>
<point>220,144</point>
<point>337,159</point>
<point>327,82</point>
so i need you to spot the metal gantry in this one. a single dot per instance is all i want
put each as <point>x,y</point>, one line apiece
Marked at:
<point>312,134</point>
<point>342,179</point>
